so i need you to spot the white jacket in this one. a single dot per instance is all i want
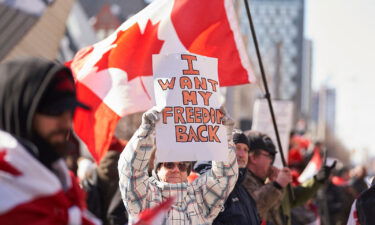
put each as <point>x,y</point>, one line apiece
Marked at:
<point>197,203</point>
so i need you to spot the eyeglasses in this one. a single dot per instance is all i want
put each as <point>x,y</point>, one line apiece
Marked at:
<point>272,157</point>
<point>183,167</point>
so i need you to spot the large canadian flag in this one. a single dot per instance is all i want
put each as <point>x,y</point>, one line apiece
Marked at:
<point>114,76</point>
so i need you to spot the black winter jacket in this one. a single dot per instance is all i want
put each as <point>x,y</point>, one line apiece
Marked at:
<point>240,207</point>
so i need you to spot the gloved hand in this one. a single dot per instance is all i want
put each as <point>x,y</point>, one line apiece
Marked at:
<point>150,117</point>
<point>324,173</point>
<point>227,121</point>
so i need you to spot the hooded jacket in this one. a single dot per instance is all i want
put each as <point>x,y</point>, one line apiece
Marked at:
<point>240,208</point>
<point>22,86</point>
<point>35,184</point>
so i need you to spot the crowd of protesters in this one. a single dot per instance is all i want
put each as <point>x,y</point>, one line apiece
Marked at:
<point>45,180</point>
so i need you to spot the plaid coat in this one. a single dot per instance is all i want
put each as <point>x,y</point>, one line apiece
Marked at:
<point>197,203</point>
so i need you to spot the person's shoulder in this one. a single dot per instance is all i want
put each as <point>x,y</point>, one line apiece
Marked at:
<point>250,177</point>
<point>250,181</point>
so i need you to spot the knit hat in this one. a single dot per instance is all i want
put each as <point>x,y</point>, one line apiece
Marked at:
<point>240,137</point>
<point>260,141</point>
<point>60,95</point>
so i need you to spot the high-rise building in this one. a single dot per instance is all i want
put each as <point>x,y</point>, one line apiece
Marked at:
<point>279,28</point>
<point>324,111</point>
<point>331,108</point>
<point>306,81</point>
<point>78,33</point>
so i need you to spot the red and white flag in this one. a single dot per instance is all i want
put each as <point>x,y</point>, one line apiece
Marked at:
<point>312,167</point>
<point>114,76</point>
<point>155,215</point>
<point>353,215</point>
<point>31,194</point>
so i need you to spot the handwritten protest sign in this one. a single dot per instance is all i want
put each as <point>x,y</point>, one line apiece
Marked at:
<point>262,122</point>
<point>187,89</point>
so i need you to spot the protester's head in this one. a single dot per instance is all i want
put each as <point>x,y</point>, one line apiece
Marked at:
<point>54,113</point>
<point>169,172</point>
<point>173,172</point>
<point>242,148</point>
<point>262,153</point>
<point>38,98</point>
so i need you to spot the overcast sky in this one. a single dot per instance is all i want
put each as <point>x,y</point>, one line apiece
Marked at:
<point>343,34</point>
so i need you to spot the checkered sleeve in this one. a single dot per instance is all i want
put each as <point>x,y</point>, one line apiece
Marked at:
<point>132,166</point>
<point>216,185</point>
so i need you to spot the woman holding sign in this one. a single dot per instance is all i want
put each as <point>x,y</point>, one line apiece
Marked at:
<point>195,203</point>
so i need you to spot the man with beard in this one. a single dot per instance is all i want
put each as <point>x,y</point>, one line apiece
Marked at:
<point>38,100</point>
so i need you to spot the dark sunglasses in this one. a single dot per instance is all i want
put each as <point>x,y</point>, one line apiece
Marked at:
<point>183,167</point>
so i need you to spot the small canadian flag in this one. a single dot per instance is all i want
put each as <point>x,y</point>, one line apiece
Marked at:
<point>312,167</point>
<point>156,215</point>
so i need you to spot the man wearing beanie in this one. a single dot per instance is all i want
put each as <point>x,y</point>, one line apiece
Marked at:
<point>267,184</point>
<point>240,208</point>
<point>38,100</point>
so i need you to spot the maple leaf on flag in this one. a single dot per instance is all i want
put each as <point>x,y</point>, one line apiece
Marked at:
<point>7,167</point>
<point>132,51</point>
<point>80,58</point>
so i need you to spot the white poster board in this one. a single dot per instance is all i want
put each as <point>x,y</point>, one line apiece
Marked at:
<point>262,122</point>
<point>187,89</point>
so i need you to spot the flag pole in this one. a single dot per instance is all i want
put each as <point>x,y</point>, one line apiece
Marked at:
<point>267,95</point>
